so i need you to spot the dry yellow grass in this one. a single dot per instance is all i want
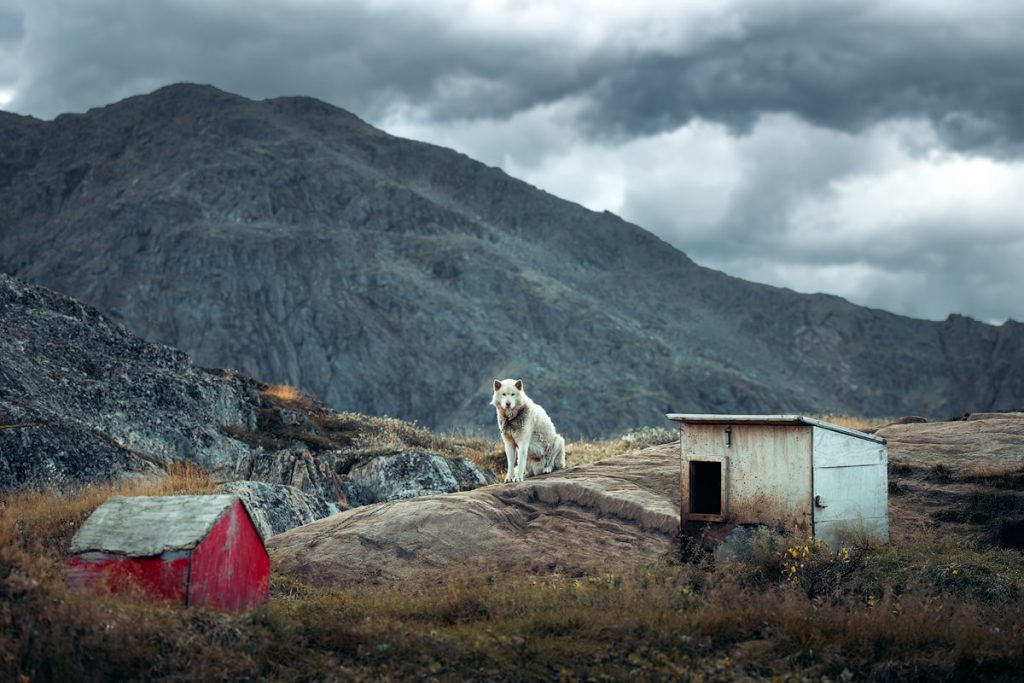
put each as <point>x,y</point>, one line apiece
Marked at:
<point>853,422</point>
<point>41,523</point>
<point>282,392</point>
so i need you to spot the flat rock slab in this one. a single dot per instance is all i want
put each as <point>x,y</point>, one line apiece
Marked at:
<point>990,439</point>
<point>609,516</point>
<point>925,500</point>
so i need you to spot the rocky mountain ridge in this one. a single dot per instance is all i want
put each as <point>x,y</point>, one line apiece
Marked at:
<point>292,241</point>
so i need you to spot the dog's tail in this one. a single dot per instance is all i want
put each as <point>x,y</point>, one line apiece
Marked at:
<point>559,459</point>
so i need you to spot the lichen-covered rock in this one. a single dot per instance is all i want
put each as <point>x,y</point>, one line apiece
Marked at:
<point>276,508</point>
<point>407,475</point>
<point>296,467</point>
<point>82,399</point>
<point>38,448</point>
<point>469,475</point>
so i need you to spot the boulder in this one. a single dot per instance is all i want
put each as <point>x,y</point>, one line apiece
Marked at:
<point>978,439</point>
<point>313,474</point>
<point>407,475</point>
<point>276,508</point>
<point>963,476</point>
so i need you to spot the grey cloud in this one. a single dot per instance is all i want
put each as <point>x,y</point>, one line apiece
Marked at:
<point>842,65</point>
<point>11,34</point>
<point>355,56</point>
<point>844,70</point>
<point>930,267</point>
<point>981,280</point>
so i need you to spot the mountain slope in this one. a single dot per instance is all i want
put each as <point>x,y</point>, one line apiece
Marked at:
<point>290,240</point>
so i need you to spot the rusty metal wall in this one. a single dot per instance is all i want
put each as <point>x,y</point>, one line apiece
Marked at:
<point>769,471</point>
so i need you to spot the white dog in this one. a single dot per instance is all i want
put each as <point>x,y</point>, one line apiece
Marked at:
<point>527,432</point>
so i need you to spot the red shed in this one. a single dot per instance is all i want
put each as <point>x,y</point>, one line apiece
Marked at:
<point>190,550</point>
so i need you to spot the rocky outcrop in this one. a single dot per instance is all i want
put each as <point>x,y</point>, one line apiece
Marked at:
<point>296,468</point>
<point>410,474</point>
<point>290,240</point>
<point>608,516</point>
<point>82,399</point>
<point>965,476</point>
<point>276,508</point>
<point>980,439</point>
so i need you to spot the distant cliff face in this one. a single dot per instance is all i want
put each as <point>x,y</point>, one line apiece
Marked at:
<point>290,240</point>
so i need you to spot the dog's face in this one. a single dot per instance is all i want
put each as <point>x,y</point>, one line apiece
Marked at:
<point>508,393</point>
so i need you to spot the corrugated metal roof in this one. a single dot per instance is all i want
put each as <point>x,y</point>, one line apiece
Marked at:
<point>700,418</point>
<point>143,526</point>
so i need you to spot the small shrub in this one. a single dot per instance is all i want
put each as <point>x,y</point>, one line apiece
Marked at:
<point>289,397</point>
<point>645,437</point>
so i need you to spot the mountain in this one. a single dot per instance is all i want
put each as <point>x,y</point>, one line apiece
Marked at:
<point>292,241</point>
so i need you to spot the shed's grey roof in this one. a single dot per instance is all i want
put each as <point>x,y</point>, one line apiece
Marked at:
<point>143,526</point>
<point>699,418</point>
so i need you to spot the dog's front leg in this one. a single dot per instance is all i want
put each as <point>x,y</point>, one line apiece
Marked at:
<point>524,453</point>
<point>510,457</point>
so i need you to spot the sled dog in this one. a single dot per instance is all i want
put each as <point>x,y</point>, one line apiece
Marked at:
<point>532,446</point>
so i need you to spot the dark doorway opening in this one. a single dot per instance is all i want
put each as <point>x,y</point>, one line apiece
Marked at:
<point>1011,534</point>
<point>705,488</point>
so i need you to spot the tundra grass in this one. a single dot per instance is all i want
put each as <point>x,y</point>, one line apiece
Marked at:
<point>930,610</point>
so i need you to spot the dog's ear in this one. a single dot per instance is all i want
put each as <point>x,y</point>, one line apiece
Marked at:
<point>497,384</point>
<point>519,384</point>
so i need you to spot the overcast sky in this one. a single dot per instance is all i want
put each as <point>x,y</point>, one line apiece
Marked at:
<point>873,150</point>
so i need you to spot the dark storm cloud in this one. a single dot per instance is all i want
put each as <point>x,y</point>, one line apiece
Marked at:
<point>838,64</point>
<point>84,54</point>
<point>11,33</point>
<point>841,69</point>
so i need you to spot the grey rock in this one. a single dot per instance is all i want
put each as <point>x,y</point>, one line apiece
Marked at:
<point>992,440</point>
<point>290,240</point>
<point>469,475</point>
<point>296,467</point>
<point>276,508</point>
<point>84,400</point>
<point>407,475</point>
